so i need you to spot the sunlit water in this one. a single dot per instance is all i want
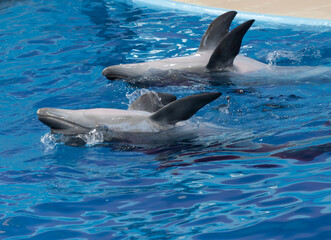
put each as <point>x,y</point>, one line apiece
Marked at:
<point>256,167</point>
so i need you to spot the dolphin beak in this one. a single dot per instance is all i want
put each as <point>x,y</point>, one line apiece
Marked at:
<point>58,121</point>
<point>114,73</point>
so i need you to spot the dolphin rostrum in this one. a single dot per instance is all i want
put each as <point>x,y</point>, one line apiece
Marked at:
<point>218,51</point>
<point>150,113</point>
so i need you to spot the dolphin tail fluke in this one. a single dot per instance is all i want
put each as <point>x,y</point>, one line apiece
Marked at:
<point>183,108</point>
<point>228,48</point>
<point>216,31</point>
<point>152,101</point>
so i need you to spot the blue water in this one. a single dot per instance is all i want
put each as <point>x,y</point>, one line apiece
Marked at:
<point>259,167</point>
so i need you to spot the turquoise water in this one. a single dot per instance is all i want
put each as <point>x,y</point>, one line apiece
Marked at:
<point>258,167</point>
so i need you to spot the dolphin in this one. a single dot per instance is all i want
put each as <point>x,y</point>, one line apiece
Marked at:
<point>150,113</point>
<point>218,51</point>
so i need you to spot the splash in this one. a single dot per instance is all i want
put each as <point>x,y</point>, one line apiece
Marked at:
<point>49,141</point>
<point>94,137</point>
<point>134,95</point>
<point>274,56</point>
<point>295,57</point>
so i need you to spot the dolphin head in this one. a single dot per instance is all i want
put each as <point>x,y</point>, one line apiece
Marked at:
<point>125,70</point>
<point>59,121</point>
<point>114,72</point>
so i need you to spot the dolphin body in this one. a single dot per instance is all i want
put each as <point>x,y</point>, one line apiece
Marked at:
<point>149,114</point>
<point>218,51</point>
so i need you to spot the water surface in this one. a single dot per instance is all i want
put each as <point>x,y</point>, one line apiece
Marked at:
<point>259,168</point>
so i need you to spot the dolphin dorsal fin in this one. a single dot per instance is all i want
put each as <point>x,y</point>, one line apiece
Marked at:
<point>216,31</point>
<point>183,108</point>
<point>228,48</point>
<point>152,101</point>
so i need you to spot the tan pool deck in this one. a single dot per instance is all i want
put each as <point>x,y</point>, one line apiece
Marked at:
<point>318,9</point>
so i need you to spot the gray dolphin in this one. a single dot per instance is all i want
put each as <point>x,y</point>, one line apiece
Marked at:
<point>150,113</point>
<point>218,51</point>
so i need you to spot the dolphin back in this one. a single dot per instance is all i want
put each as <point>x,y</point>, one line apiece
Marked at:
<point>183,108</point>
<point>152,101</point>
<point>228,48</point>
<point>216,31</point>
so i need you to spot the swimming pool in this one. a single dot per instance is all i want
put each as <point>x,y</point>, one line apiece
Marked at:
<point>259,168</point>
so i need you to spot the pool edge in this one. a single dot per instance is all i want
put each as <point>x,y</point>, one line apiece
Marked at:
<point>266,18</point>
